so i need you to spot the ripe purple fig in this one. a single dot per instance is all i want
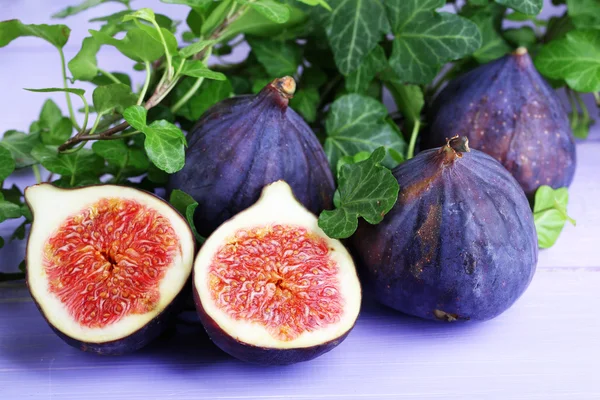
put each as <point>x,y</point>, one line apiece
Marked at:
<point>460,243</point>
<point>508,111</point>
<point>246,142</point>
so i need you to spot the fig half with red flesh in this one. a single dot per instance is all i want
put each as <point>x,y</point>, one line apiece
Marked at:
<point>106,264</point>
<point>271,287</point>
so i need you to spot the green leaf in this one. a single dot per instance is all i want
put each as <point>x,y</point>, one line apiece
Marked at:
<point>164,142</point>
<point>550,214</point>
<point>191,3</point>
<point>8,210</point>
<point>137,44</point>
<point>102,79</point>
<point>78,92</point>
<point>365,189</point>
<point>84,66</point>
<point>354,29</point>
<point>273,10</point>
<point>20,146</point>
<point>529,7</point>
<point>254,23</point>
<point>186,205</point>
<point>50,115</point>
<point>143,13</point>
<point>313,77</point>
<point>357,123</point>
<point>79,164</point>
<point>197,69</point>
<point>116,96</point>
<point>58,132</point>
<point>584,13</point>
<point>524,36</point>
<point>211,93</point>
<point>7,163</point>
<point>424,39</point>
<point>57,35</point>
<point>313,3</point>
<point>194,48</point>
<point>278,58</point>
<point>305,102</point>
<point>87,4</point>
<point>259,84</point>
<point>493,44</point>
<point>359,80</point>
<point>575,58</point>
<point>113,151</point>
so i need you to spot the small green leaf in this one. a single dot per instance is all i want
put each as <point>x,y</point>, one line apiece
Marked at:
<point>191,3</point>
<point>50,115</point>
<point>84,66</point>
<point>273,10</point>
<point>524,36</point>
<point>197,69</point>
<point>493,44</point>
<point>529,7</point>
<point>116,96</point>
<point>359,80</point>
<point>575,58</point>
<point>78,92</point>
<point>20,145</point>
<point>305,102</point>
<point>57,35</point>
<point>313,3</point>
<point>278,58</point>
<point>408,98</point>
<point>164,141</point>
<point>357,123</point>
<point>113,151</point>
<point>584,13</point>
<point>79,164</point>
<point>8,210</point>
<point>58,132</point>
<point>194,48</point>
<point>143,13</point>
<point>85,5</point>
<point>425,39</point>
<point>365,189</point>
<point>7,163</point>
<point>550,214</point>
<point>211,93</point>
<point>186,205</point>
<point>137,44</point>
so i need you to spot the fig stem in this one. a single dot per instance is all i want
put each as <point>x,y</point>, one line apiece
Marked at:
<point>413,140</point>
<point>36,173</point>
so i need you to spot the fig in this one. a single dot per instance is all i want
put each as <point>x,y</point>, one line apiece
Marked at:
<point>271,288</point>
<point>508,111</point>
<point>246,142</point>
<point>106,265</point>
<point>460,243</point>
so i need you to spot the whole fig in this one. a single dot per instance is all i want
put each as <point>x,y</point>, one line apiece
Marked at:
<point>246,142</point>
<point>460,243</point>
<point>508,111</point>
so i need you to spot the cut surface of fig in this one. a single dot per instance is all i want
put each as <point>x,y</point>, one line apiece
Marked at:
<point>271,287</point>
<point>105,262</point>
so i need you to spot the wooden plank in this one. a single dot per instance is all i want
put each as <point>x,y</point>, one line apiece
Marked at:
<point>545,347</point>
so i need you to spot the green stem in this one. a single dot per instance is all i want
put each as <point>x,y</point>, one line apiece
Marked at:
<point>86,108</point>
<point>72,181</point>
<point>36,172</point>
<point>167,52</point>
<point>574,117</point>
<point>413,140</point>
<point>74,149</point>
<point>66,86</point>
<point>118,177</point>
<point>187,95</point>
<point>436,86</point>
<point>146,83</point>
<point>96,122</point>
<point>109,75</point>
<point>582,106</point>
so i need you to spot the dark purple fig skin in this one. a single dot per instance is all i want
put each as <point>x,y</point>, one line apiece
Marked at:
<point>244,143</point>
<point>260,355</point>
<point>138,339</point>
<point>508,111</point>
<point>460,243</point>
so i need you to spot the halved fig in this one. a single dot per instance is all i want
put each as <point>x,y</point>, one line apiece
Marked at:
<point>271,287</point>
<point>106,263</point>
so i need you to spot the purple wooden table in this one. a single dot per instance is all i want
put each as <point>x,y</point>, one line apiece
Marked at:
<point>546,347</point>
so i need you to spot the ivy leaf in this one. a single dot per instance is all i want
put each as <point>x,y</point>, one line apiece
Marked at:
<point>550,214</point>
<point>137,44</point>
<point>20,145</point>
<point>211,93</point>
<point>584,13</point>
<point>7,163</point>
<point>164,141</point>
<point>8,210</point>
<point>78,92</point>
<point>197,69</point>
<point>529,7</point>
<point>113,151</point>
<point>305,102</point>
<point>87,4</point>
<point>116,96</point>
<point>84,66</point>
<point>279,58</point>
<point>194,48</point>
<point>357,123</point>
<point>57,35</point>
<point>425,39</point>
<point>50,115</point>
<point>365,189</point>
<point>58,132</point>
<point>524,36</point>
<point>359,80</point>
<point>313,3</point>
<point>186,205</point>
<point>273,10</point>
<point>80,164</point>
<point>354,29</point>
<point>575,58</point>
<point>493,44</point>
